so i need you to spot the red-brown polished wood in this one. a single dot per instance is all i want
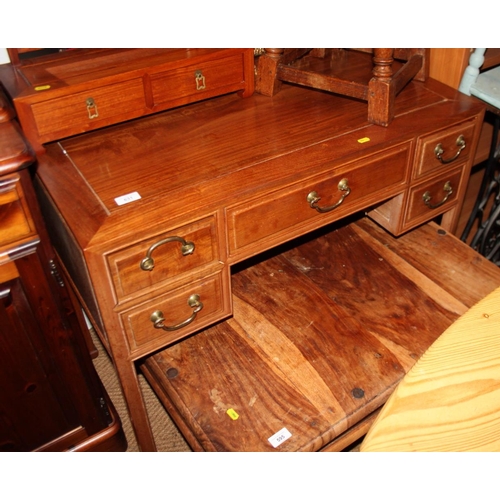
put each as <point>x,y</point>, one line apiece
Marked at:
<point>234,175</point>
<point>372,75</point>
<point>73,91</point>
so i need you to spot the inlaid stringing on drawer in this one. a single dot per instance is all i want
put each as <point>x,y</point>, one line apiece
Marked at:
<point>452,146</point>
<point>164,257</point>
<point>441,194</point>
<point>281,211</point>
<point>176,311</point>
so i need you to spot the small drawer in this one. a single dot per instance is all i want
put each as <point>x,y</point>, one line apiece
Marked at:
<point>181,312</point>
<point>193,82</point>
<point>429,199</point>
<point>163,257</point>
<point>83,111</point>
<point>273,218</point>
<point>444,149</point>
<point>15,218</point>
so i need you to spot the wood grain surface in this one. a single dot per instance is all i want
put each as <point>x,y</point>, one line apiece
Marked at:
<point>450,400</point>
<point>322,333</point>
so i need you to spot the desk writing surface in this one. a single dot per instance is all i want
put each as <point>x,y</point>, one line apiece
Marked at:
<point>217,149</point>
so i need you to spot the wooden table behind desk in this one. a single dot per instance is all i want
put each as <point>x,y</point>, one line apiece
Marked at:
<point>450,400</point>
<point>321,334</point>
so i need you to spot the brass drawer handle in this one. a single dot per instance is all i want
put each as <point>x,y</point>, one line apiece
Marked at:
<point>157,317</point>
<point>148,263</point>
<point>91,108</point>
<point>427,196</point>
<point>200,80</point>
<point>313,198</point>
<point>438,150</point>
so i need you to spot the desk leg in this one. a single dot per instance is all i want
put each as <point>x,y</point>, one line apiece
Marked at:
<point>449,221</point>
<point>129,381</point>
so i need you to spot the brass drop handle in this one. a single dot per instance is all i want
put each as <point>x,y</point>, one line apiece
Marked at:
<point>157,317</point>
<point>439,151</point>
<point>200,80</point>
<point>313,198</point>
<point>427,196</point>
<point>148,263</point>
<point>91,108</point>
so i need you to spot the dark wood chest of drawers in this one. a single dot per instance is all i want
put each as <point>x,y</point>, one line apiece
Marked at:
<point>51,398</point>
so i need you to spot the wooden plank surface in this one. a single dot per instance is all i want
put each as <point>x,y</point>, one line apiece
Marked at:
<point>322,332</point>
<point>450,400</point>
<point>439,256</point>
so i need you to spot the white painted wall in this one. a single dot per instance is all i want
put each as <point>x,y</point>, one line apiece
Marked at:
<point>4,57</point>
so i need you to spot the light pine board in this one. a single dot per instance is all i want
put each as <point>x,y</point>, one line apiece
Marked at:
<point>450,400</point>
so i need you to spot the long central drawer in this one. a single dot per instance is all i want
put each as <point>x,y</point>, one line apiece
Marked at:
<point>254,225</point>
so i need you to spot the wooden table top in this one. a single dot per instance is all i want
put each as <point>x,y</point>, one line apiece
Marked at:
<point>450,399</point>
<point>317,344</point>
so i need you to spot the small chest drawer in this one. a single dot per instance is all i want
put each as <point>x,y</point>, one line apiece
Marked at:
<point>198,81</point>
<point>164,257</point>
<point>15,218</point>
<point>444,148</point>
<point>178,313</point>
<point>275,216</point>
<point>94,108</point>
<point>429,199</point>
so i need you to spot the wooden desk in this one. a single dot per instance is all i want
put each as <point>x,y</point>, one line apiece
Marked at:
<point>236,177</point>
<point>450,399</point>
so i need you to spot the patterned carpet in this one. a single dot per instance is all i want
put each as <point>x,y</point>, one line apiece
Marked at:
<point>166,435</point>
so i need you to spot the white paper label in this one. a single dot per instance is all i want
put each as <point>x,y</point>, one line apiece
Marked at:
<point>127,198</point>
<point>280,437</point>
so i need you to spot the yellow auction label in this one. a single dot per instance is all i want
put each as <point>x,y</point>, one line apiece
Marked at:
<point>42,87</point>
<point>232,414</point>
<point>364,139</point>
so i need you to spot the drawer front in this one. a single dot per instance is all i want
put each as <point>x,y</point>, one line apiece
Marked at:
<point>163,257</point>
<point>195,81</point>
<point>83,111</point>
<point>275,217</point>
<point>173,310</point>
<point>452,146</point>
<point>15,218</point>
<point>440,195</point>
